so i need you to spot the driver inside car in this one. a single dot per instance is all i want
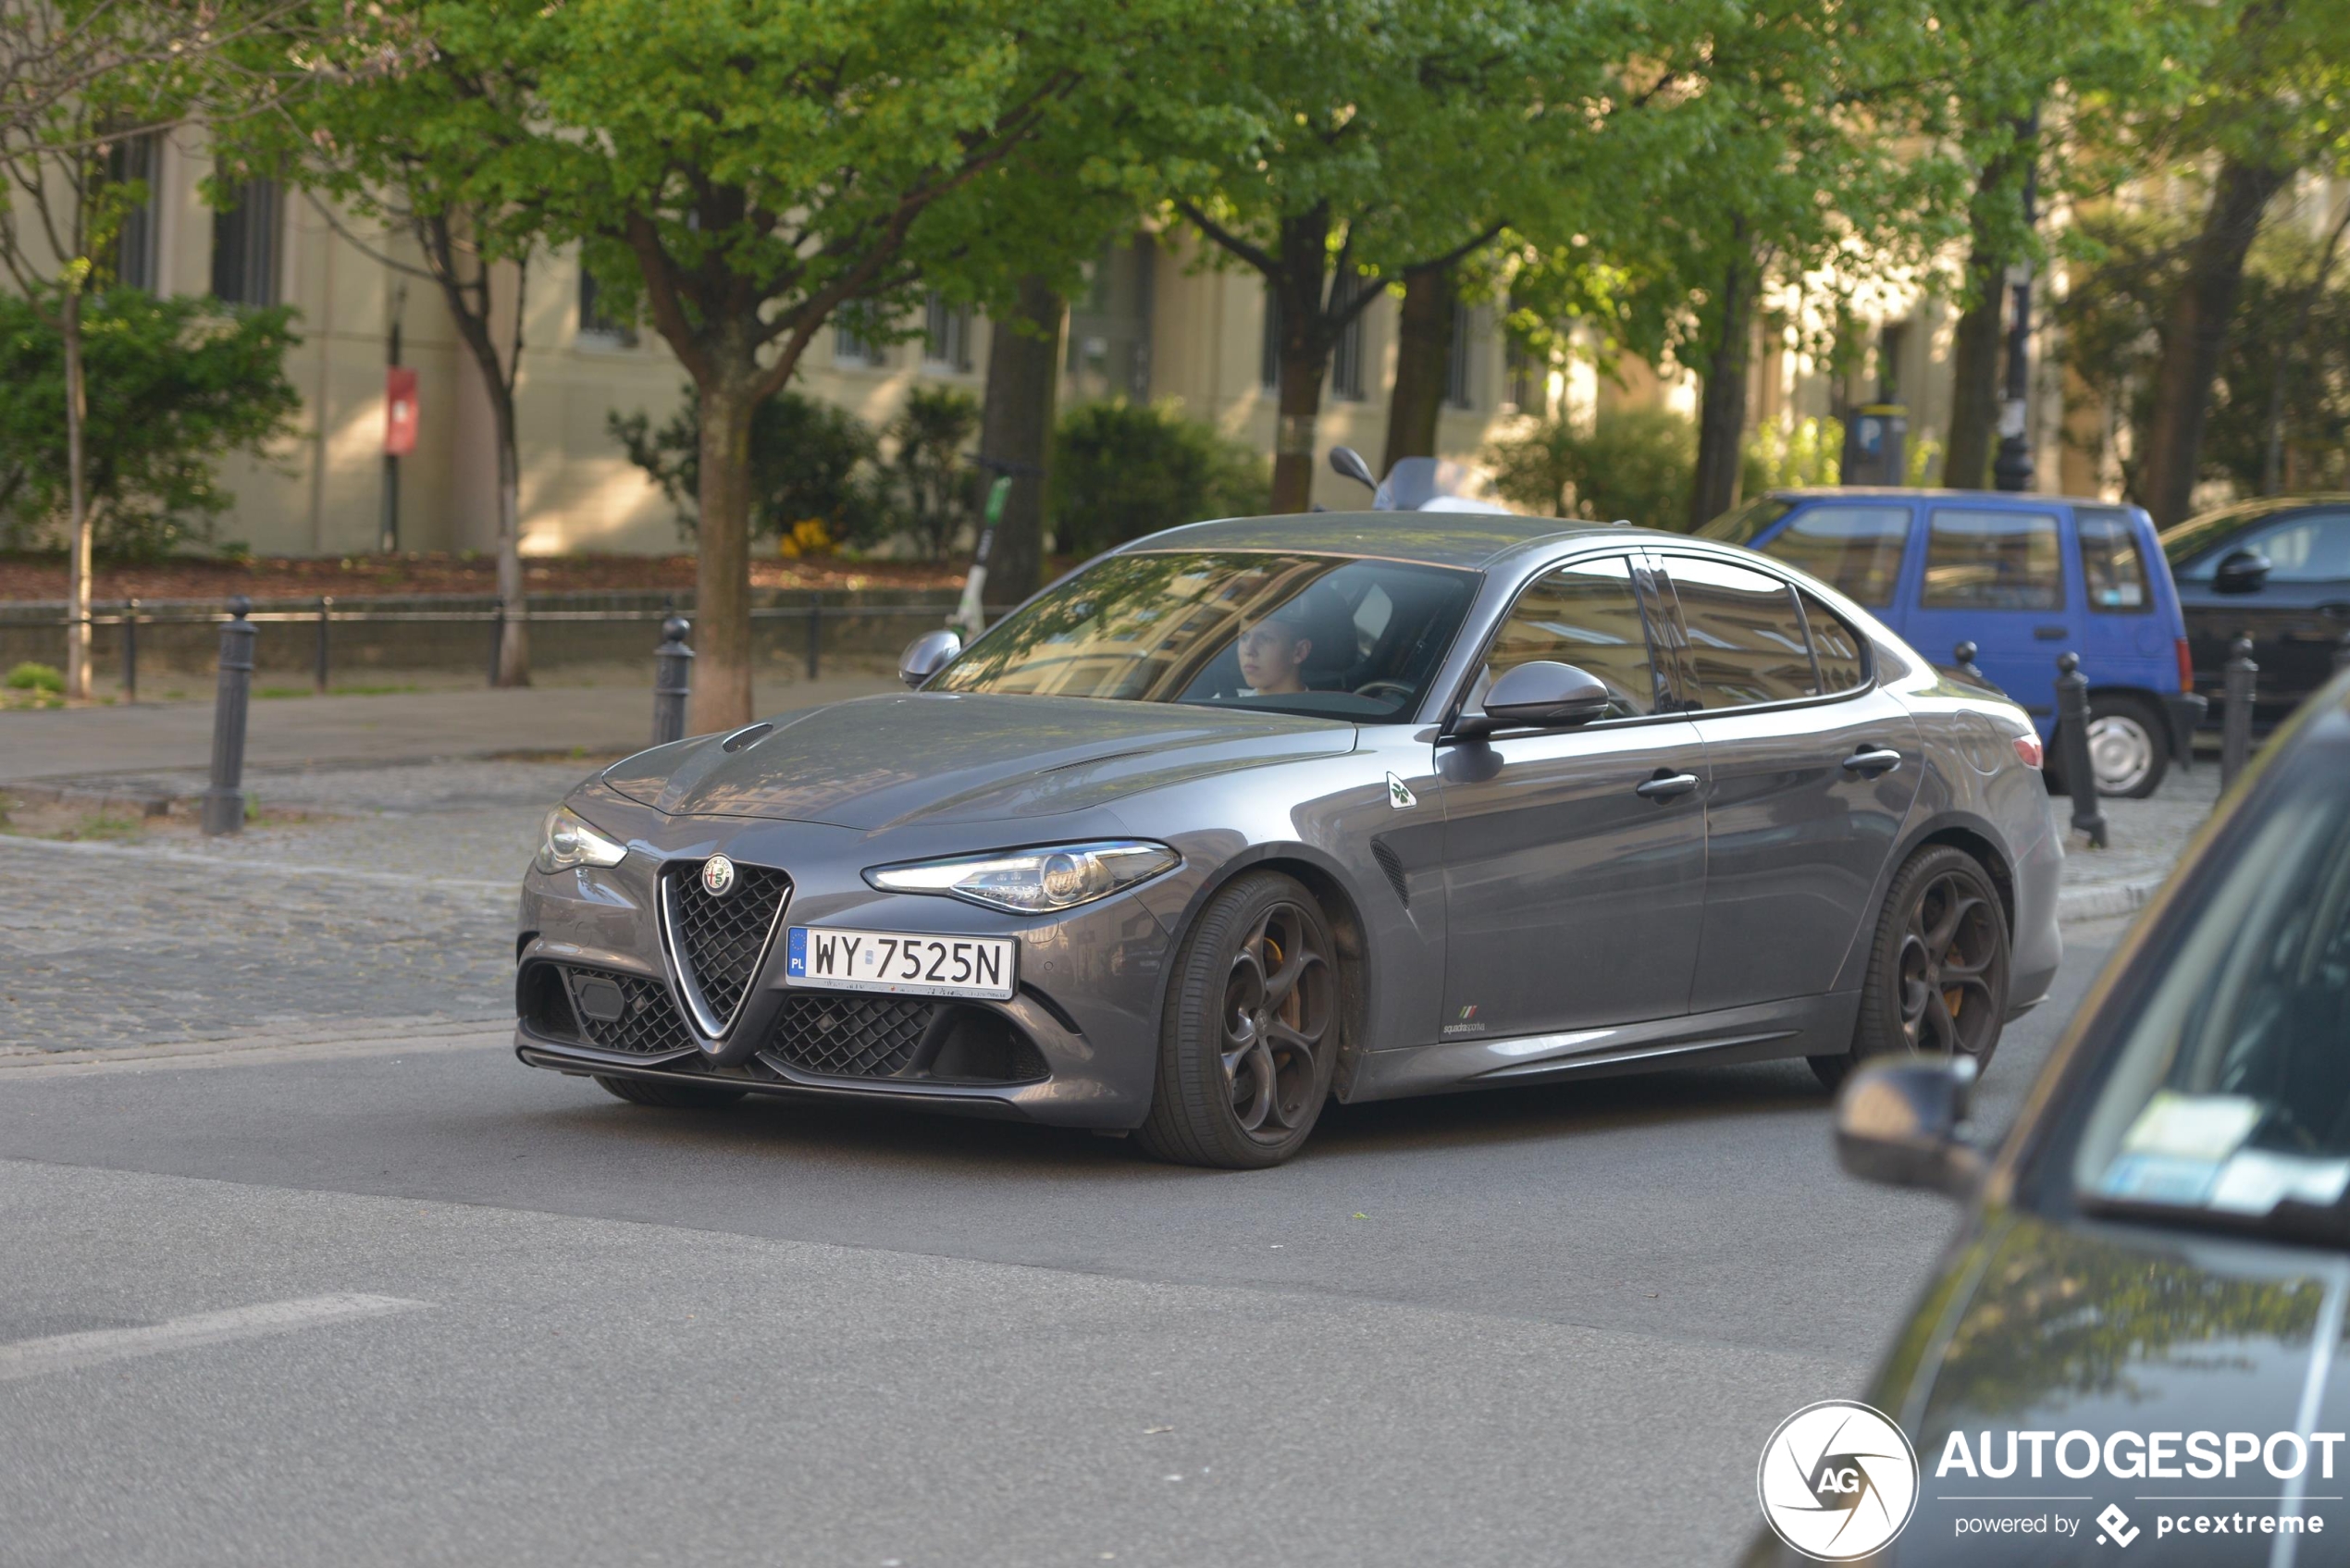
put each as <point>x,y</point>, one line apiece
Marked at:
<point>1273,652</point>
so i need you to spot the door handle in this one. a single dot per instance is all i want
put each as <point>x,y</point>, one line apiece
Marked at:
<point>1870,762</point>
<point>1665,787</point>
<point>2048,634</point>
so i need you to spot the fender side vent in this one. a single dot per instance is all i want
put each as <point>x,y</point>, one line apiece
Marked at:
<point>1392,864</point>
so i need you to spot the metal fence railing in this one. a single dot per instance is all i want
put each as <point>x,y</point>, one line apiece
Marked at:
<point>334,635</point>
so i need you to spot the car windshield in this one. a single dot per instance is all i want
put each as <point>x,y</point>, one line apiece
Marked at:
<point>2229,1096</point>
<point>2183,541</point>
<point>1736,527</point>
<point>1327,635</point>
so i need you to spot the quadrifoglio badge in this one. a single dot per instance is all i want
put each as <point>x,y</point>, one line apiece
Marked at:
<point>1840,1480</point>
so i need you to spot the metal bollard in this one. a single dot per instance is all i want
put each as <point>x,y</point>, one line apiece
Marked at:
<point>1964,654</point>
<point>326,619</point>
<point>2235,718</point>
<point>224,798</point>
<point>672,681</point>
<point>496,637</point>
<point>815,633</point>
<point>2072,745</point>
<point>129,651</point>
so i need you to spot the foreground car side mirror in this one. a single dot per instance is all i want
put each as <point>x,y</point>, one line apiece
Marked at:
<point>2241,572</point>
<point>927,655</point>
<point>1542,695</point>
<point>1903,1123</point>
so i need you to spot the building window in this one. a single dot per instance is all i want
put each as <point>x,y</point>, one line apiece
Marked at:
<point>1346,355</point>
<point>1268,359</point>
<point>857,337</point>
<point>947,334</point>
<point>597,321</point>
<point>244,246</point>
<point>136,159</point>
<point>1458,389</point>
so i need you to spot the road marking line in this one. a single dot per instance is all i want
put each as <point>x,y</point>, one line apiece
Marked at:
<point>322,1041</point>
<point>67,1353</point>
<point>156,854</point>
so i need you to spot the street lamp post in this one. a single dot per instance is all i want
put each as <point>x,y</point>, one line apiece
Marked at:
<point>2012,468</point>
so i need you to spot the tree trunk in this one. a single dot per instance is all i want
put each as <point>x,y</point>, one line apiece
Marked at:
<point>513,633</point>
<point>2196,335</point>
<point>1423,354</point>
<point>1722,412</point>
<point>1302,269</point>
<point>1023,375</point>
<point>1300,401</point>
<point>1974,350</point>
<point>78,505</point>
<point>721,570</point>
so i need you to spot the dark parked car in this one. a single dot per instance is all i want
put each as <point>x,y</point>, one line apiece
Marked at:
<point>2024,578</point>
<point>1253,812</point>
<point>2277,571</point>
<point>2155,1255</point>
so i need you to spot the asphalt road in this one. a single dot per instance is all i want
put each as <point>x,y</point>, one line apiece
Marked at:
<point>356,1306</point>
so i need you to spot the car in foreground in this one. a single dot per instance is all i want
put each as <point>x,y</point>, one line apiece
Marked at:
<point>2277,571</point>
<point>1250,814</point>
<point>2153,1258</point>
<point>2023,578</point>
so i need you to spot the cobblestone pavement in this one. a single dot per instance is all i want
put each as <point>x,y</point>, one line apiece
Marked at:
<point>2145,838</point>
<point>400,905</point>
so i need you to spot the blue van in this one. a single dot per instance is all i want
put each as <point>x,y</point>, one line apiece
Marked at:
<point>2024,578</point>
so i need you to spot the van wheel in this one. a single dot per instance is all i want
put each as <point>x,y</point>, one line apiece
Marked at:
<point>2129,747</point>
<point>1938,977</point>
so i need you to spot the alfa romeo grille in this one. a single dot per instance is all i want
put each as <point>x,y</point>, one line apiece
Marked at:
<point>647,1023</point>
<point>844,1036</point>
<point>720,939</point>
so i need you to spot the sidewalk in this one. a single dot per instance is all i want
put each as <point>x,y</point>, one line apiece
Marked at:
<point>58,745</point>
<point>2146,838</point>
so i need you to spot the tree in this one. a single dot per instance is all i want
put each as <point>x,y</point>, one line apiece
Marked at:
<point>810,460</point>
<point>174,384</point>
<point>1016,431</point>
<point>77,78</point>
<point>1331,147</point>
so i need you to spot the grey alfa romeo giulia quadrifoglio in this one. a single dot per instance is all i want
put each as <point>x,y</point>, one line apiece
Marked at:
<point>1252,813</point>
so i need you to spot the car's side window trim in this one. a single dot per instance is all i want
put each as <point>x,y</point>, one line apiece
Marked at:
<point>1632,561</point>
<point>1664,560</point>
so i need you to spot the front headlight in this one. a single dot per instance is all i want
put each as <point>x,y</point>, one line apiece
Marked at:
<point>568,841</point>
<point>1033,882</point>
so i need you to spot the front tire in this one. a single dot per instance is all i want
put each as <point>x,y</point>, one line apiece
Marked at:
<point>1250,1031</point>
<point>671,1096</point>
<point>1938,975</point>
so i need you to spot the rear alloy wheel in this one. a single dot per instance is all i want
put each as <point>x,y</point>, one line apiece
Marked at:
<point>2125,746</point>
<point>1250,1032</point>
<point>673,1096</point>
<point>1938,977</point>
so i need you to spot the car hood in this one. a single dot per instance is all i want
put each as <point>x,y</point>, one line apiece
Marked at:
<point>883,761</point>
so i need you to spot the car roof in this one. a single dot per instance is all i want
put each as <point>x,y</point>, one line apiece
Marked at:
<point>1914,492</point>
<point>1433,538</point>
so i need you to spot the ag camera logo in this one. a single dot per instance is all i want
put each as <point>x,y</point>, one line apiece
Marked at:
<point>1838,1480</point>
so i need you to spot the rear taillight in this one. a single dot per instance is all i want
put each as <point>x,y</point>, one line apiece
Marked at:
<point>2027,749</point>
<point>2186,665</point>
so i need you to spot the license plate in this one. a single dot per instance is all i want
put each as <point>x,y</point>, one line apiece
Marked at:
<point>905,962</point>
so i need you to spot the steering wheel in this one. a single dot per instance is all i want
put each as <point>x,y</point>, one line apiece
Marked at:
<point>1397,691</point>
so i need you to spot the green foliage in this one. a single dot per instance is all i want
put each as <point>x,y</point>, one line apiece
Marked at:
<point>1120,470</point>
<point>1777,458</point>
<point>808,460</point>
<point>1634,463</point>
<point>174,386</point>
<point>934,488</point>
<point>36,677</point>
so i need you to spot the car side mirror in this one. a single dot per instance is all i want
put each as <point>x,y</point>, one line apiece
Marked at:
<point>2241,572</point>
<point>927,655</point>
<point>1347,464</point>
<point>1903,1123</point>
<point>1542,695</point>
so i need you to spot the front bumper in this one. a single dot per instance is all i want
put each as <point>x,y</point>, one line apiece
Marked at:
<point>597,991</point>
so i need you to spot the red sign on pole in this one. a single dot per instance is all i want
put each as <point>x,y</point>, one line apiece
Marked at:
<point>400,409</point>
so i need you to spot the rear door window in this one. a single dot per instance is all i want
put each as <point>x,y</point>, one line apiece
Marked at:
<point>2112,569</point>
<point>1836,647</point>
<point>1857,548</point>
<point>1745,639</point>
<point>2314,547</point>
<point>1586,614</point>
<point>1993,559</point>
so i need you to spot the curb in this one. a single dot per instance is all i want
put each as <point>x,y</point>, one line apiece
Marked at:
<point>140,803</point>
<point>2103,903</point>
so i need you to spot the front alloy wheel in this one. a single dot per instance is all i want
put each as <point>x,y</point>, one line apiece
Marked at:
<point>1251,1030</point>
